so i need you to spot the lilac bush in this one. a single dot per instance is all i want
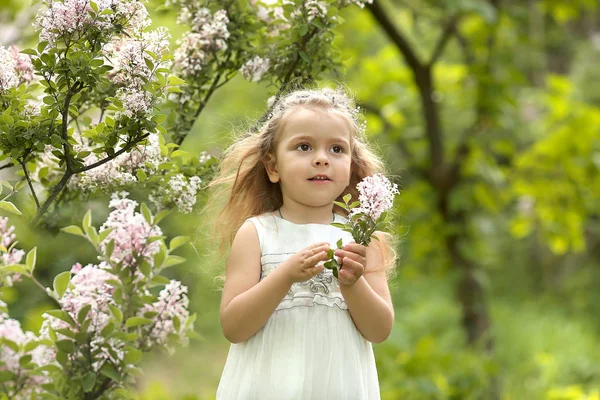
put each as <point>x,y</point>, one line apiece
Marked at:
<point>109,313</point>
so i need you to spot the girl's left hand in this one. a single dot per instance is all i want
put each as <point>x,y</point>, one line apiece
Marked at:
<point>354,260</point>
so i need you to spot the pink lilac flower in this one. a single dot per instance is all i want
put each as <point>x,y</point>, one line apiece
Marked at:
<point>121,170</point>
<point>68,17</point>
<point>127,56</point>
<point>88,286</point>
<point>130,232</point>
<point>9,255</point>
<point>376,196</point>
<point>315,9</point>
<point>10,329</point>
<point>15,68</point>
<point>172,303</point>
<point>254,69</point>
<point>181,191</point>
<point>209,34</point>
<point>137,103</point>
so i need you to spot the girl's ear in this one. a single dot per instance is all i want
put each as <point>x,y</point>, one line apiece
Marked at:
<point>271,168</point>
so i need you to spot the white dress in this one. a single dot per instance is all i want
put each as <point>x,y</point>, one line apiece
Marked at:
<point>309,348</point>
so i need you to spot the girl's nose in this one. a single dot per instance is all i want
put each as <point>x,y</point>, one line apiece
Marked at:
<point>321,159</point>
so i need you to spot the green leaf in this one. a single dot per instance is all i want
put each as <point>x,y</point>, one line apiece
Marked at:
<point>68,346</point>
<point>62,315</point>
<point>88,382</point>
<point>31,52</point>
<point>82,314</point>
<point>343,205</point>
<point>26,359</point>
<point>132,355</point>
<point>330,253</point>
<point>14,268</point>
<point>174,80</point>
<point>347,198</point>
<point>173,260</point>
<point>161,215</point>
<point>31,258</point>
<point>338,225</point>
<point>303,29</point>
<point>137,321</point>
<point>104,234</point>
<point>304,56</point>
<point>61,282</point>
<point>141,175</point>
<point>10,207</point>
<point>87,220</point>
<point>355,204</point>
<point>110,372</point>
<point>178,242</point>
<point>7,376</point>
<point>340,244</point>
<point>159,118</point>
<point>159,280</point>
<point>145,267</point>
<point>116,312</point>
<point>335,273</point>
<point>146,213</point>
<point>108,329</point>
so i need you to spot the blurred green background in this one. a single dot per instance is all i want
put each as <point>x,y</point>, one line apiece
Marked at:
<point>512,236</point>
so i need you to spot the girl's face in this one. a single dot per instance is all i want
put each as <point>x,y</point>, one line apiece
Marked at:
<point>313,142</point>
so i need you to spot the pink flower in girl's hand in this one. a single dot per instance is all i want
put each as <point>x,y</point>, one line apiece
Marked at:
<point>376,195</point>
<point>367,215</point>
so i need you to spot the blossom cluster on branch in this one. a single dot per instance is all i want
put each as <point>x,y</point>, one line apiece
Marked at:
<point>109,312</point>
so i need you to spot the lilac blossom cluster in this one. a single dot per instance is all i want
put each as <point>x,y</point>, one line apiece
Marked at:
<point>180,191</point>
<point>172,305</point>
<point>314,9</point>
<point>208,35</point>
<point>10,329</point>
<point>376,196</point>
<point>129,56</point>
<point>15,68</point>
<point>8,254</point>
<point>74,18</point>
<point>88,286</point>
<point>254,69</point>
<point>130,233</point>
<point>120,172</point>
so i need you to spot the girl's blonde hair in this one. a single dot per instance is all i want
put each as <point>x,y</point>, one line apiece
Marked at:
<point>242,181</point>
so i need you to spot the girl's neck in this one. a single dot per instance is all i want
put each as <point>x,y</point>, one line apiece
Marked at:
<point>323,217</point>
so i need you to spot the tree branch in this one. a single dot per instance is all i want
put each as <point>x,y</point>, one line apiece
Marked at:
<point>109,158</point>
<point>395,35</point>
<point>7,165</point>
<point>37,202</point>
<point>449,29</point>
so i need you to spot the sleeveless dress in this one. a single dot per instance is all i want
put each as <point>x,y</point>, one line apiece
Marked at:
<point>309,348</point>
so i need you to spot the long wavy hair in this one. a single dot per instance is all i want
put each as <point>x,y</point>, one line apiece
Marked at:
<point>241,188</point>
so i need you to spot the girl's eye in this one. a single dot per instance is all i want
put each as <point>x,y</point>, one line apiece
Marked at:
<point>306,147</point>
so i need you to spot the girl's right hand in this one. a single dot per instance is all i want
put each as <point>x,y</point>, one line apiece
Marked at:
<point>302,266</point>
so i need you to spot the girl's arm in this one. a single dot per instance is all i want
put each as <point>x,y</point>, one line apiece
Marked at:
<point>247,302</point>
<point>369,300</point>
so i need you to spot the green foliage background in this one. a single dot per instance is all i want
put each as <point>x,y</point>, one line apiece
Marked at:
<point>537,263</point>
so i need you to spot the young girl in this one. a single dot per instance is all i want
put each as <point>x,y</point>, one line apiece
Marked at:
<point>297,332</point>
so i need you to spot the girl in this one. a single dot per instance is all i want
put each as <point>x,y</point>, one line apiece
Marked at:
<point>296,331</point>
